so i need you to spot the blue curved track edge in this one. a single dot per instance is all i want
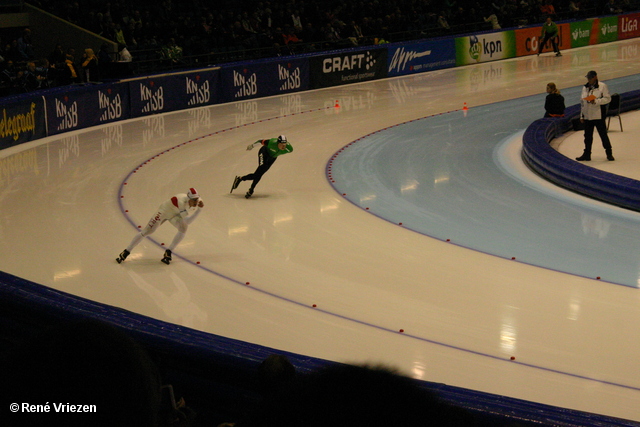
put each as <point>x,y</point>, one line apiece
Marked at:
<point>573,175</point>
<point>43,306</point>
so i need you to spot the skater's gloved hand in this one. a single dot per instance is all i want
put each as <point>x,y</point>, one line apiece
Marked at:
<point>250,147</point>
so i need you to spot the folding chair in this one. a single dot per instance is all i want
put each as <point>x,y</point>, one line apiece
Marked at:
<point>613,110</point>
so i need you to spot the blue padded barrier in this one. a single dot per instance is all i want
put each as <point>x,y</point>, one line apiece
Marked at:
<point>573,175</point>
<point>219,373</point>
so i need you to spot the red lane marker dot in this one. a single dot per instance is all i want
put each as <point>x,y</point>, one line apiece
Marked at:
<point>139,226</point>
<point>399,223</point>
<point>198,262</point>
<point>513,257</point>
<point>448,240</point>
<point>367,208</point>
<point>125,183</point>
<point>248,283</point>
<point>344,194</point>
<point>598,278</point>
<point>401,331</point>
<point>122,197</point>
<point>513,358</point>
<point>314,306</point>
<point>126,210</point>
<point>161,244</point>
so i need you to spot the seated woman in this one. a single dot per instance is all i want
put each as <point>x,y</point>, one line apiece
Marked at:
<point>554,103</point>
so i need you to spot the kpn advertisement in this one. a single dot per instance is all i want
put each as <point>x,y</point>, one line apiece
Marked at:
<point>485,47</point>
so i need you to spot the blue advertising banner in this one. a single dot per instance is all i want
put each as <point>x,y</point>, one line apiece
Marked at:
<point>420,57</point>
<point>259,79</point>
<point>22,121</point>
<point>171,92</point>
<point>350,66</point>
<point>90,106</point>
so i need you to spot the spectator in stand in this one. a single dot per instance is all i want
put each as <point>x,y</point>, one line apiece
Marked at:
<point>309,33</point>
<point>68,74</point>
<point>130,33</point>
<point>493,20</point>
<point>25,46</point>
<point>329,33</point>
<point>612,8</point>
<point>123,54</point>
<point>31,78</point>
<point>56,64</point>
<point>574,9</point>
<point>289,36</point>
<point>90,66</point>
<point>443,24</point>
<point>171,52</point>
<point>118,34</point>
<point>104,60</point>
<point>296,20</point>
<point>8,78</point>
<point>57,56</point>
<point>547,9</point>
<point>355,33</point>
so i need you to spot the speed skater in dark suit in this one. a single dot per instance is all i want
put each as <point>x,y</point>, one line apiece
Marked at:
<point>269,152</point>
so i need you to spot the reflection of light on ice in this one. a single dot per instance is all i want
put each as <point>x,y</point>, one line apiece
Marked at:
<point>328,208</point>
<point>574,309</point>
<point>238,230</point>
<point>410,185</point>
<point>419,370</point>
<point>508,334</point>
<point>368,198</point>
<point>595,226</point>
<point>282,218</point>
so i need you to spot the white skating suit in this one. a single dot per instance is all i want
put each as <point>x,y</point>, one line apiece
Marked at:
<point>177,211</point>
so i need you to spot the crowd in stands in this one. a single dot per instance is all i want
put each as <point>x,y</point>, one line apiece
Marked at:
<point>168,31</point>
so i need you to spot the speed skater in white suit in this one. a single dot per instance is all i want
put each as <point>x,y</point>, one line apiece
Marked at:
<point>180,210</point>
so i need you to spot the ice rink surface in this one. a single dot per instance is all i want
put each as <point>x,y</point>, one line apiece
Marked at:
<point>317,262</point>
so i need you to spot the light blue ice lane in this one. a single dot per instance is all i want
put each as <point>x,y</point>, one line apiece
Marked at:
<point>439,176</point>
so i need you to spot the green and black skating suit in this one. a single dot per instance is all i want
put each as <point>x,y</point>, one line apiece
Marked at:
<point>267,155</point>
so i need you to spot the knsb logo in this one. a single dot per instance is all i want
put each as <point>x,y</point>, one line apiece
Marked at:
<point>66,114</point>
<point>200,92</point>
<point>354,62</point>
<point>608,29</point>
<point>401,58</point>
<point>289,79</point>
<point>245,86</point>
<point>111,107</point>
<point>152,97</point>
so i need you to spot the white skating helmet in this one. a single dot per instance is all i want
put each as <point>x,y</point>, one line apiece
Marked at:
<point>193,194</point>
<point>282,139</point>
